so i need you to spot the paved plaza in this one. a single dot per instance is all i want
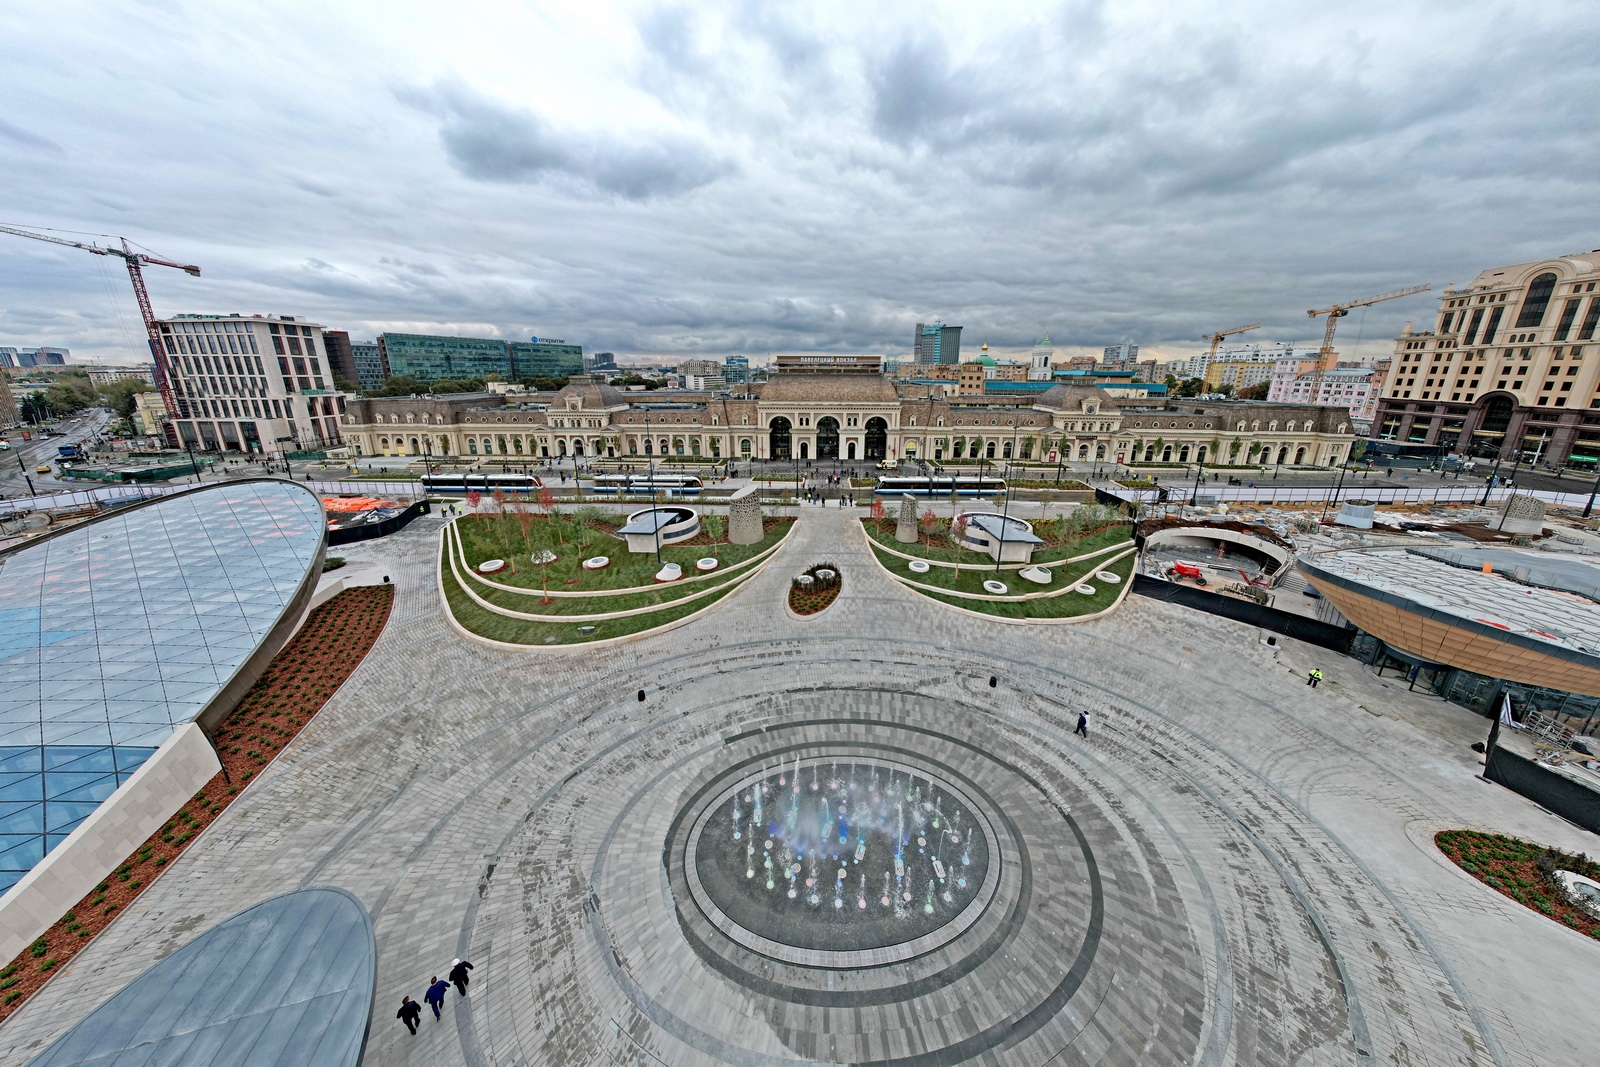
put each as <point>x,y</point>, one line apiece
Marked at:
<point>1231,868</point>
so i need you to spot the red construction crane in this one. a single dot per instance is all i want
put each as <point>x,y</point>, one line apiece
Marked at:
<point>134,261</point>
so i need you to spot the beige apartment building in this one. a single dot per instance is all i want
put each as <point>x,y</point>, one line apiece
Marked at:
<point>1511,365</point>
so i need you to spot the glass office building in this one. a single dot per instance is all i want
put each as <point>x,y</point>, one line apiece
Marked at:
<point>116,632</point>
<point>428,358</point>
<point>370,371</point>
<point>545,359</point>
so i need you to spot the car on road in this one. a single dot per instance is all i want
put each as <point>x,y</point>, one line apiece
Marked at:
<point>888,465</point>
<point>43,468</point>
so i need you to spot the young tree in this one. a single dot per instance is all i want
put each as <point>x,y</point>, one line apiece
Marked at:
<point>958,533</point>
<point>712,524</point>
<point>877,510</point>
<point>929,522</point>
<point>588,514</point>
<point>474,498</point>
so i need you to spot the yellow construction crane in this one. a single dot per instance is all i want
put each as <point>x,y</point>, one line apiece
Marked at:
<point>1339,311</point>
<point>1216,338</point>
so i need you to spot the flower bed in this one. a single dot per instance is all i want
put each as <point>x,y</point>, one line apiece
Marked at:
<point>298,681</point>
<point>1524,872</point>
<point>820,596</point>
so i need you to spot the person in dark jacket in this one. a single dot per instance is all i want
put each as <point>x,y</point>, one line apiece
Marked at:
<point>435,994</point>
<point>458,975</point>
<point>410,1011</point>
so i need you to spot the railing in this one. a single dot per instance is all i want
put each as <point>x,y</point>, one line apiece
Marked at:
<point>1179,493</point>
<point>132,493</point>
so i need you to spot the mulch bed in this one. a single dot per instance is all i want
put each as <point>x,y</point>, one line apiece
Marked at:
<point>1522,870</point>
<point>802,603</point>
<point>295,685</point>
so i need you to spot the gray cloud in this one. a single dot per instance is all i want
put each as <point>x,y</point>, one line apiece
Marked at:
<point>26,138</point>
<point>488,141</point>
<point>792,176</point>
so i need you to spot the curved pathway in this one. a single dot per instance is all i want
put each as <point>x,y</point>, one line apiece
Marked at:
<point>1233,868</point>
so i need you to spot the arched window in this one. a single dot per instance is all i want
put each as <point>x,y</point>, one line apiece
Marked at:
<point>827,437</point>
<point>778,438</point>
<point>877,442</point>
<point>1538,298</point>
<point>1497,414</point>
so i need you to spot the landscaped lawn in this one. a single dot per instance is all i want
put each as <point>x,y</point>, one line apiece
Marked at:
<point>1061,541</point>
<point>575,539</point>
<point>1066,606</point>
<point>631,575</point>
<point>525,632</point>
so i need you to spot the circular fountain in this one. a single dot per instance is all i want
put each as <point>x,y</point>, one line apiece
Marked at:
<point>820,860</point>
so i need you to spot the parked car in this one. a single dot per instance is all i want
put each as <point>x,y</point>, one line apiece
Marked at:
<point>43,468</point>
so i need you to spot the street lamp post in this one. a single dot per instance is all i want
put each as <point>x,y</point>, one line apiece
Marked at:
<point>1589,507</point>
<point>1336,491</point>
<point>655,516</point>
<point>1515,467</point>
<point>1005,511</point>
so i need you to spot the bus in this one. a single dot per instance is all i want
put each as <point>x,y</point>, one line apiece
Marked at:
<point>464,481</point>
<point>660,482</point>
<point>940,485</point>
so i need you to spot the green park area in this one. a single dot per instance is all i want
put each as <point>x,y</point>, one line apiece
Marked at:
<point>544,595</point>
<point>1078,549</point>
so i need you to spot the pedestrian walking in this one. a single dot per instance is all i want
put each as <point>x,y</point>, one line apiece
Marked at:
<point>1083,725</point>
<point>1313,677</point>
<point>458,975</point>
<point>410,1011</point>
<point>435,994</point>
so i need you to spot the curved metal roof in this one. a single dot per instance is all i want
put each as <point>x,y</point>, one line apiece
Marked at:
<point>286,983</point>
<point>115,632</point>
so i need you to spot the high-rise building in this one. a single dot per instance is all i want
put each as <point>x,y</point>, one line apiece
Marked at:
<point>1512,366</point>
<point>937,343</point>
<point>34,357</point>
<point>736,369</point>
<point>428,358</point>
<point>251,384</point>
<point>545,357</point>
<point>340,357</point>
<point>700,367</point>
<point>601,363</point>
<point>1122,355</point>
<point>370,367</point>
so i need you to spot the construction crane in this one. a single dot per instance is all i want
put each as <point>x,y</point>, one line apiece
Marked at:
<point>1339,311</point>
<point>134,262</point>
<point>1216,338</point>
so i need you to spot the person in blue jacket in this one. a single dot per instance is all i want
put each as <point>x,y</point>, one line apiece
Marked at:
<point>435,994</point>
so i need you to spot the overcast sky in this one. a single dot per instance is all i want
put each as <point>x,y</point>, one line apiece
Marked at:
<point>759,176</point>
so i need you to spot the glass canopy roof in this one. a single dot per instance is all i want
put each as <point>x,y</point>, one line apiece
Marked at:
<point>116,632</point>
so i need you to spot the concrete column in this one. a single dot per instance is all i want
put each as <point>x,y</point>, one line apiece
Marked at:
<point>905,530</point>
<point>744,517</point>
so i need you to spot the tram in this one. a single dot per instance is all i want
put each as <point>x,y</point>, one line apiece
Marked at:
<point>660,482</point>
<point>940,485</point>
<point>465,481</point>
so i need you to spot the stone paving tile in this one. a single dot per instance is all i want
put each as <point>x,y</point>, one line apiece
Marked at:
<point>1231,805</point>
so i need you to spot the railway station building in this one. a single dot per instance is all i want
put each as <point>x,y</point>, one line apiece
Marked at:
<point>843,408</point>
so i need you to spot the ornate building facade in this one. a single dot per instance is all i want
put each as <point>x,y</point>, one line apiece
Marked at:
<point>809,417</point>
<point>1511,365</point>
